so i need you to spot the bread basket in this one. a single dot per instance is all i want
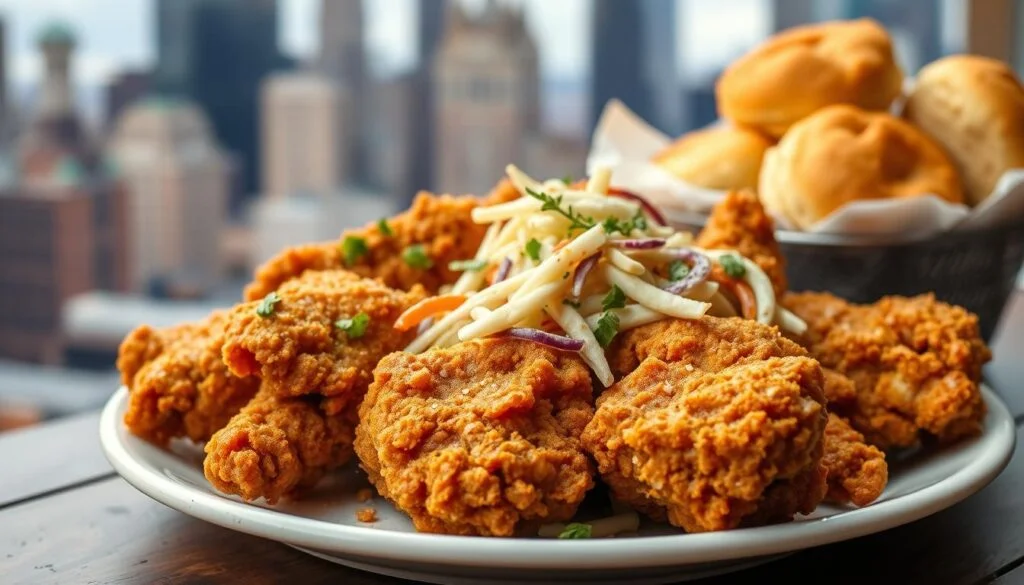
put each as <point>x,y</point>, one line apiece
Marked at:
<point>974,269</point>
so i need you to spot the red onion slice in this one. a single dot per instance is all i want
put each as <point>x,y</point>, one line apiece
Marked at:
<point>700,269</point>
<point>544,338</point>
<point>640,243</point>
<point>645,204</point>
<point>503,269</point>
<point>582,271</point>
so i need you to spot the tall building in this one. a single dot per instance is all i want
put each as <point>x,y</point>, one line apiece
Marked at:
<point>177,183</point>
<point>916,33</point>
<point>123,90</point>
<point>660,73</point>
<point>217,52</point>
<point>789,13</point>
<point>307,134</point>
<point>55,137</point>
<point>486,92</point>
<point>617,58</point>
<point>46,257</point>
<point>392,149</point>
<point>430,27</point>
<point>342,59</point>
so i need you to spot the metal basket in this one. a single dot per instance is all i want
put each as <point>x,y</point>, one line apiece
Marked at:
<point>976,270</point>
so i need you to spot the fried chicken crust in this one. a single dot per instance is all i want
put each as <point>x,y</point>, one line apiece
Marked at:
<point>440,223</point>
<point>481,438</point>
<point>714,450</point>
<point>276,447</point>
<point>299,349</point>
<point>739,222</point>
<point>915,362</point>
<point>178,385</point>
<point>857,472</point>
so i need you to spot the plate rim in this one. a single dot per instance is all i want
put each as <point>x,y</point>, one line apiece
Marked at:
<point>666,550</point>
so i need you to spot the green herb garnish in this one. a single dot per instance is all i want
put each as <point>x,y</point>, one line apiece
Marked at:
<point>607,328</point>
<point>615,299</point>
<point>467,265</point>
<point>732,266</point>
<point>354,327</point>
<point>576,530</point>
<point>567,180</point>
<point>416,257</point>
<point>577,221</point>
<point>677,270</point>
<point>384,227</point>
<point>267,305</point>
<point>625,227</point>
<point>353,248</point>
<point>533,249</point>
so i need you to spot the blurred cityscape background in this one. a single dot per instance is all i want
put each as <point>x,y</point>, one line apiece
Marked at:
<point>152,152</point>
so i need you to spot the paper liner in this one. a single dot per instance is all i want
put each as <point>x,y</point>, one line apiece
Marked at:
<point>626,143</point>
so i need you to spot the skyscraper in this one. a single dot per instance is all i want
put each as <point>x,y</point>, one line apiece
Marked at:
<point>126,87</point>
<point>342,59</point>
<point>617,58</point>
<point>177,181</point>
<point>217,52</point>
<point>486,92</point>
<point>307,131</point>
<point>660,73</point>
<point>431,26</point>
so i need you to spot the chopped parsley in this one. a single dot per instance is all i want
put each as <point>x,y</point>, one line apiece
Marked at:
<point>467,265</point>
<point>533,249</point>
<point>567,180</point>
<point>677,270</point>
<point>267,305</point>
<point>577,221</point>
<point>576,530</point>
<point>732,266</point>
<point>416,257</point>
<point>384,227</point>
<point>607,328</point>
<point>625,227</point>
<point>615,299</point>
<point>353,248</point>
<point>354,327</point>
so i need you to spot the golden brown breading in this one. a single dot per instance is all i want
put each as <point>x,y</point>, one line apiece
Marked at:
<point>440,223</point>
<point>178,386</point>
<point>276,447</point>
<point>714,450</point>
<point>739,222</point>
<point>709,343</point>
<point>300,350</point>
<point>857,472</point>
<point>916,364</point>
<point>479,438</point>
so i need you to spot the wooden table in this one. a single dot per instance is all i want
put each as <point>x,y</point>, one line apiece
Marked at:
<point>65,517</point>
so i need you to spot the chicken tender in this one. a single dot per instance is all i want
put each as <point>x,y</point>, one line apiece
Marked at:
<point>276,447</point>
<point>740,223</point>
<point>178,385</point>
<point>714,450</point>
<point>441,224</point>
<point>915,362</point>
<point>857,472</point>
<point>300,347</point>
<point>479,438</point>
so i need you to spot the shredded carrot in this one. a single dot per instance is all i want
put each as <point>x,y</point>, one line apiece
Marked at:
<point>415,314</point>
<point>745,295</point>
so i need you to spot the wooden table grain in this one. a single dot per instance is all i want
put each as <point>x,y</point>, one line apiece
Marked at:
<point>66,517</point>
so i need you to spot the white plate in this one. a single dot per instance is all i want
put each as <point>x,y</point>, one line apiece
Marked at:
<point>324,523</point>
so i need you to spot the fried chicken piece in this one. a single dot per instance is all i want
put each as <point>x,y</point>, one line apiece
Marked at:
<point>276,447</point>
<point>714,450</point>
<point>178,385</point>
<point>915,362</point>
<point>299,349</point>
<point>479,438</point>
<point>440,223</point>
<point>857,472</point>
<point>739,222</point>
<point>709,343</point>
